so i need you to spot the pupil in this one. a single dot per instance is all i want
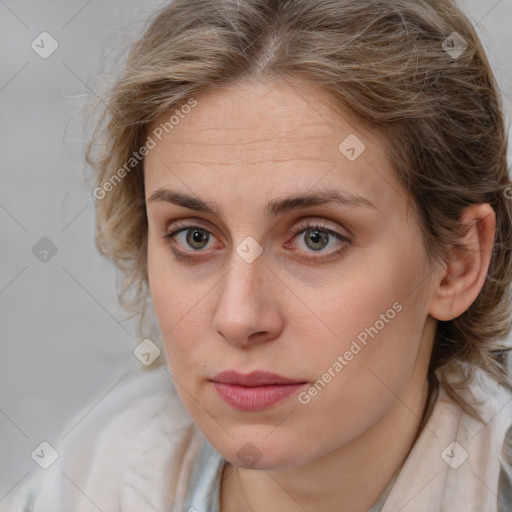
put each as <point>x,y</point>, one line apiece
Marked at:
<point>317,238</point>
<point>196,237</point>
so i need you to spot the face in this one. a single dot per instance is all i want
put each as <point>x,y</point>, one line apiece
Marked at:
<point>275,246</point>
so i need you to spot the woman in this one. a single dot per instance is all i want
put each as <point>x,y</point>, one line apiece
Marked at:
<point>315,196</point>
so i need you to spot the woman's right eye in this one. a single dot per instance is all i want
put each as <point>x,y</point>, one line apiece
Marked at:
<point>195,237</point>
<point>187,240</point>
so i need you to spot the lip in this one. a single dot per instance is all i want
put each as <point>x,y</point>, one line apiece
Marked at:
<point>255,378</point>
<point>255,391</point>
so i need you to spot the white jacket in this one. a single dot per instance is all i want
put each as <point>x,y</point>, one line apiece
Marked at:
<point>135,450</point>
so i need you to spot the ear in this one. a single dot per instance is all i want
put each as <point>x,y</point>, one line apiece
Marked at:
<point>464,274</point>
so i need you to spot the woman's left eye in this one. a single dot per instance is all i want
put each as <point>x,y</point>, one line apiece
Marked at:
<point>315,239</point>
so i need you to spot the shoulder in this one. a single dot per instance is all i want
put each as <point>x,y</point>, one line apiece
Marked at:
<point>492,401</point>
<point>485,467</point>
<point>455,462</point>
<point>114,447</point>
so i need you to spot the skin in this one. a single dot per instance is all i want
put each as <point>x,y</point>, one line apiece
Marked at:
<point>241,147</point>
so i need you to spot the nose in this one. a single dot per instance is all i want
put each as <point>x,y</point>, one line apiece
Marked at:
<point>248,310</point>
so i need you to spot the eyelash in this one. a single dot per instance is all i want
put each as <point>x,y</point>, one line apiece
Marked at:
<point>297,230</point>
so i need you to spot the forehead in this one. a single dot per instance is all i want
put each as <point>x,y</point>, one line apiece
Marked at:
<point>266,135</point>
<point>270,114</point>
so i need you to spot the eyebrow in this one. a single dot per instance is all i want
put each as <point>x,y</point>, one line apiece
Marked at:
<point>274,208</point>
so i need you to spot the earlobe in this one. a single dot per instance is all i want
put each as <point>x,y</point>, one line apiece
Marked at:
<point>465,271</point>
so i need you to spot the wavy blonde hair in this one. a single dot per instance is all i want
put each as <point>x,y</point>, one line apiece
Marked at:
<point>382,61</point>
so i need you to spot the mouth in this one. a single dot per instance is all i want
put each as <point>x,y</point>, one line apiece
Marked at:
<point>254,391</point>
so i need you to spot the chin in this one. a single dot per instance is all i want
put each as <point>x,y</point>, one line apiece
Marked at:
<point>258,452</point>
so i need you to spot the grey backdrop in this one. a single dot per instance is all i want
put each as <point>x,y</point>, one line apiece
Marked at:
<point>65,342</point>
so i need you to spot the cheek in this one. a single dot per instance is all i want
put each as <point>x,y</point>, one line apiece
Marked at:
<point>174,303</point>
<point>367,287</point>
<point>357,377</point>
<point>375,319</point>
